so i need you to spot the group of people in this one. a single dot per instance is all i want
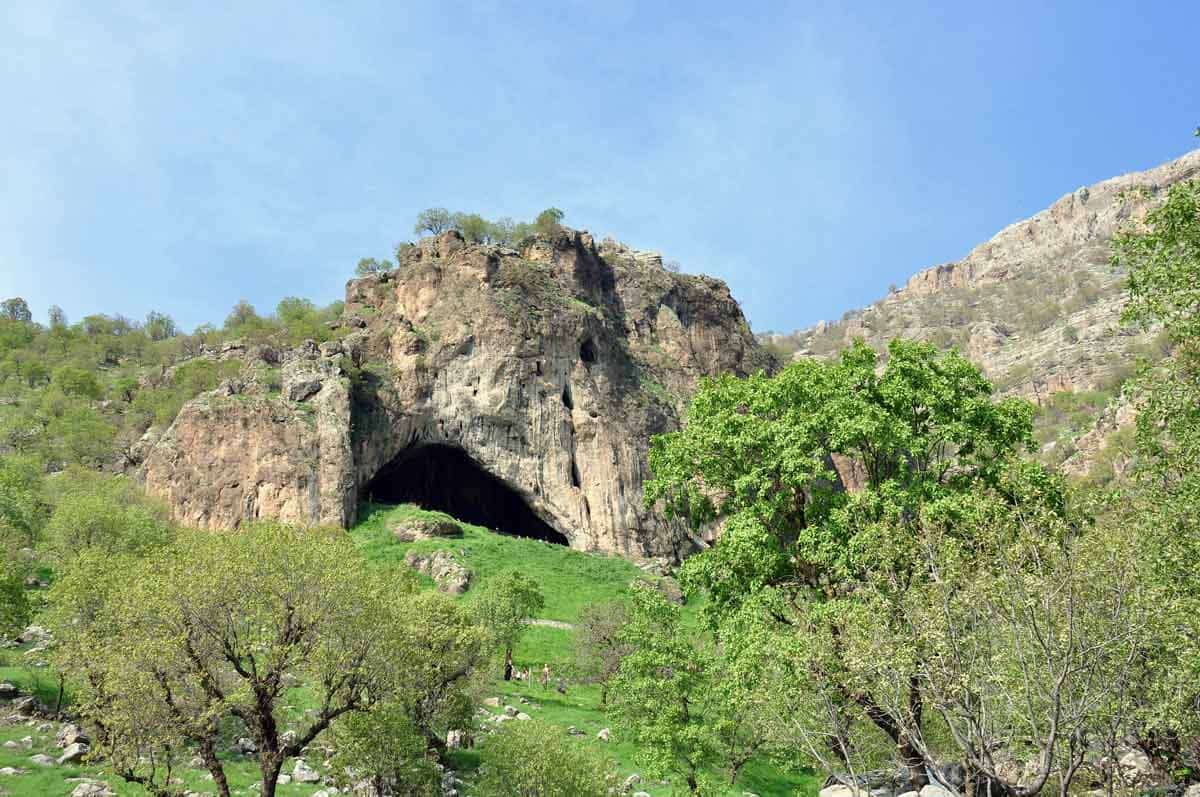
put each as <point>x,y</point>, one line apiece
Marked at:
<point>544,678</point>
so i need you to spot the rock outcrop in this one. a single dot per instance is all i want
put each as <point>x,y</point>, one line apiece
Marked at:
<point>1037,307</point>
<point>547,370</point>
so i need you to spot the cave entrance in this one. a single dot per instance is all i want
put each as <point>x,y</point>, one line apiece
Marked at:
<point>444,478</point>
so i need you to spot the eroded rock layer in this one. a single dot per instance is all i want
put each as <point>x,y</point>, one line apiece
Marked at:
<point>549,368</point>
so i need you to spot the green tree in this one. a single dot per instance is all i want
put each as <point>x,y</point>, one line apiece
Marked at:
<point>770,456</point>
<point>436,688</point>
<point>16,309</point>
<point>1162,255</point>
<point>530,759</point>
<point>599,646</point>
<point>369,265</point>
<point>383,746</point>
<point>218,629</point>
<point>474,228</point>
<point>94,511</point>
<point>690,705</point>
<point>504,606</point>
<point>549,221</point>
<point>434,221</point>
<point>23,504</point>
<point>159,326</point>
<point>243,320</point>
<point>76,382</point>
<point>56,317</point>
<point>79,435</point>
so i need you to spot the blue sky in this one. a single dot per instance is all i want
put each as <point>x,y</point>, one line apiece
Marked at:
<point>181,156</point>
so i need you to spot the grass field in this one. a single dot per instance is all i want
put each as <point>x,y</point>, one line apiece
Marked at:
<point>570,580</point>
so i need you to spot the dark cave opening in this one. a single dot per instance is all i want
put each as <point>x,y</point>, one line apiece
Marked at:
<point>587,352</point>
<point>445,478</point>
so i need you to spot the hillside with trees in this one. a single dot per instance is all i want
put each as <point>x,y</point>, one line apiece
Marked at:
<point>892,591</point>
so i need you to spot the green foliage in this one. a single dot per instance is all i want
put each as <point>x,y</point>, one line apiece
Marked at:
<point>531,759</point>
<point>215,629</point>
<point>369,265</point>
<point>599,643</point>
<point>476,229</point>
<point>1162,256</point>
<point>23,505</point>
<point>503,606</point>
<point>76,382</point>
<point>694,704</point>
<point>382,746</point>
<point>159,326</point>
<point>758,453</point>
<point>548,221</point>
<point>434,221</point>
<point>106,513</point>
<point>15,309</point>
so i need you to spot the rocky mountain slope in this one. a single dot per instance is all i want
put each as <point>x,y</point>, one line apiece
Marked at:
<point>1038,306</point>
<point>517,388</point>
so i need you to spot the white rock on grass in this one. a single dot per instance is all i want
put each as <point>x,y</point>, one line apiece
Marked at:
<point>303,773</point>
<point>74,753</point>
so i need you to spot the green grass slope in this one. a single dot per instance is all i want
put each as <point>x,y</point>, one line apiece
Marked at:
<point>570,580</point>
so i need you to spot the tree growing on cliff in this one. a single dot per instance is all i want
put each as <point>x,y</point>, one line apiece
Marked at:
<point>504,607</point>
<point>434,221</point>
<point>764,455</point>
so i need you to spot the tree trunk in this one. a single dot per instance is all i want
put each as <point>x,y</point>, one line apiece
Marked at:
<point>912,761</point>
<point>213,765</point>
<point>269,766</point>
<point>508,663</point>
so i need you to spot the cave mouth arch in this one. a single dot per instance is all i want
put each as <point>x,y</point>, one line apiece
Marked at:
<point>445,478</point>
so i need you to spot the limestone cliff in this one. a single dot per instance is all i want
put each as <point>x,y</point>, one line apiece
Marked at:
<point>1038,306</point>
<point>546,369</point>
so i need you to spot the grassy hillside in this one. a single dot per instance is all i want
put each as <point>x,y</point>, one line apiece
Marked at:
<point>570,580</point>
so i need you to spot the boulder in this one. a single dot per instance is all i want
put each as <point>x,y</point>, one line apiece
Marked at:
<point>303,773</point>
<point>413,529</point>
<point>521,715</point>
<point>69,734</point>
<point>26,706</point>
<point>245,746</point>
<point>92,789</point>
<point>42,760</point>
<point>8,691</point>
<point>450,576</point>
<point>604,735</point>
<point>74,753</point>
<point>933,790</point>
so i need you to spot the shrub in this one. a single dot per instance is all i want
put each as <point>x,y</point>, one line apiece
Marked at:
<point>529,759</point>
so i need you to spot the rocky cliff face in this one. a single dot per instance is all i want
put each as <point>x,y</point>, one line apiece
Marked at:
<point>548,368</point>
<point>1038,306</point>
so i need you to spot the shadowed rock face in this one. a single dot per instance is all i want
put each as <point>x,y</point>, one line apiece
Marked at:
<point>535,378</point>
